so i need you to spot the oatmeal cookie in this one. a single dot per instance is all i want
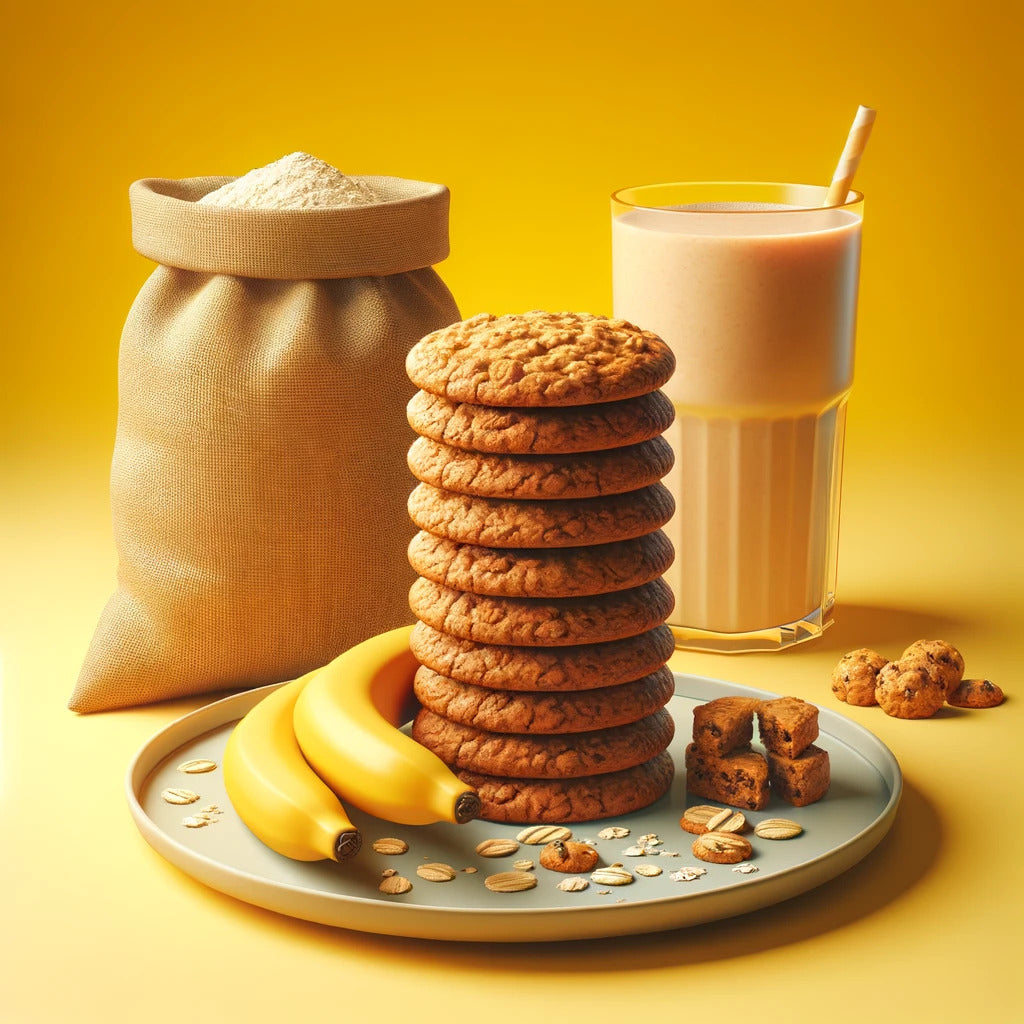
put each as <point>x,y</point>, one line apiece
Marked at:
<point>556,523</point>
<point>558,756</point>
<point>568,856</point>
<point>541,572</point>
<point>590,798</point>
<point>540,477</point>
<point>914,691</point>
<point>540,431</point>
<point>553,712</point>
<point>543,622</point>
<point>540,359</point>
<point>854,678</point>
<point>530,669</point>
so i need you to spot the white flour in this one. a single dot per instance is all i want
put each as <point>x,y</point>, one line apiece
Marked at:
<point>295,181</point>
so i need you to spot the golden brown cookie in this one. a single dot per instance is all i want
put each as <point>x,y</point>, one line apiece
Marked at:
<point>543,756</point>
<point>975,693</point>
<point>854,678</point>
<point>721,848</point>
<point>559,523</point>
<point>800,780</point>
<point>943,657</point>
<point>591,798</point>
<point>529,669</point>
<point>540,431</point>
<point>914,691</point>
<point>541,572</point>
<point>545,622</point>
<point>554,712</point>
<point>739,778</point>
<point>568,856</point>
<point>540,359</point>
<point>787,725</point>
<point>540,477</point>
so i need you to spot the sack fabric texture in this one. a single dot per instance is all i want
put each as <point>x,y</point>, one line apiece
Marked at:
<point>259,478</point>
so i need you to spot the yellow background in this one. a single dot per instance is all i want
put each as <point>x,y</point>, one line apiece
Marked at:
<point>531,113</point>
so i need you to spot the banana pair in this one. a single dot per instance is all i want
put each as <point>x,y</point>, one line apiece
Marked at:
<point>332,736</point>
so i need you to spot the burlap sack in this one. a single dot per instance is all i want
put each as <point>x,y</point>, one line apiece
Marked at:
<point>259,482</point>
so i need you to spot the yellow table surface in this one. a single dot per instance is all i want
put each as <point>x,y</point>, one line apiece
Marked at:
<point>532,113</point>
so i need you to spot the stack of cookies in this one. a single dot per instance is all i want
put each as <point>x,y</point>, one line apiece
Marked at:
<point>541,609</point>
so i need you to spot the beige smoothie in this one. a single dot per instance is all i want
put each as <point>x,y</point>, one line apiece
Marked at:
<point>758,301</point>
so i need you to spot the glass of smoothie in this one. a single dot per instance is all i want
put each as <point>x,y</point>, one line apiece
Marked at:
<point>754,286</point>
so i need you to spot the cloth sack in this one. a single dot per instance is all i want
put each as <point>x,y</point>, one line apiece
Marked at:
<point>259,481</point>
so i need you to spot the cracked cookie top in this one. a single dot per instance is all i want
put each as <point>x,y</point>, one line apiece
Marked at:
<point>540,359</point>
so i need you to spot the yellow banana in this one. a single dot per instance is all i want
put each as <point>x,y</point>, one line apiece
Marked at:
<point>275,792</point>
<point>346,722</point>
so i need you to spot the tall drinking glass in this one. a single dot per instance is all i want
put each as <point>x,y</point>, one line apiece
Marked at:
<point>754,286</point>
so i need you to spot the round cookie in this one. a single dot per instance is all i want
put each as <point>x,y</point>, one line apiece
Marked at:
<point>526,756</point>
<point>854,678</point>
<point>975,693</point>
<point>540,477</point>
<point>540,359</point>
<point>551,801</point>
<point>541,572</point>
<point>569,857</point>
<point>721,848</point>
<point>543,622</point>
<point>556,712</point>
<point>540,431</point>
<point>529,669</point>
<point>945,658</point>
<point>558,523</point>
<point>914,691</point>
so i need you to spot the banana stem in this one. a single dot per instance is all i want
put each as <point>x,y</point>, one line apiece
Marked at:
<point>347,845</point>
<point>467,807</point>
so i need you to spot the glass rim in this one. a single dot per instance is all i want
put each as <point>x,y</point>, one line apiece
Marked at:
<point>857,197</point>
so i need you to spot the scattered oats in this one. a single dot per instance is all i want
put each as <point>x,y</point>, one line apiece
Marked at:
<point>179,796</point>
<point>436,872</point>
<point>541,835</point>
<point>635,851</point>
<point>614,875</point>
<point>651,839</point>
<point>668,853</point>
<point>390,846</point>
<point>604,892</point>
<point>212,809</point>
<point>470,870</point>
<point>687,874</point>
<point>394,885</point>
<point>745,869</point>
<point>388,872</point>
<point>573,884</point>
<point>647,870</point>
<point>727,821</point>
<point>511,881</point>
<point>197,766</point>
<point>196,821</point>
<point>523,865</point>
<point>613,832</point>
<point>496,847</point>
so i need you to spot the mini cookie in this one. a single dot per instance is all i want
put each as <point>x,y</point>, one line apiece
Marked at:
<point>558,523</point>
<point>915,691</point>
<point>542,622</point>
<point>975,693</point>
<point>592,798</point>
<point>540,359</point>
<point>946,659</point>
<point>529,669</point>
<point>788,725</point>
<point>544,756</point>
<point>540,477</point>
<point>541,572</point>
<point>568,856</point>
<point>721,848</point>
<point>539,431</point>
<point>854,678</point>
<point>555,712</point>
<point>724,724</point>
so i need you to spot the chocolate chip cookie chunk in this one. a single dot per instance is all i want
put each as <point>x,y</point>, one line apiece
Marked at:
<point>854,678</point>
<point>540,359</point>
<point>531,669</point>
<point>540,431</point>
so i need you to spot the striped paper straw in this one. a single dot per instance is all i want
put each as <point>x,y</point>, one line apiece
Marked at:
<point>847,166</point>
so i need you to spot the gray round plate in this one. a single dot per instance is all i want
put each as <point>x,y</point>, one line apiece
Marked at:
<point>839,831</point>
